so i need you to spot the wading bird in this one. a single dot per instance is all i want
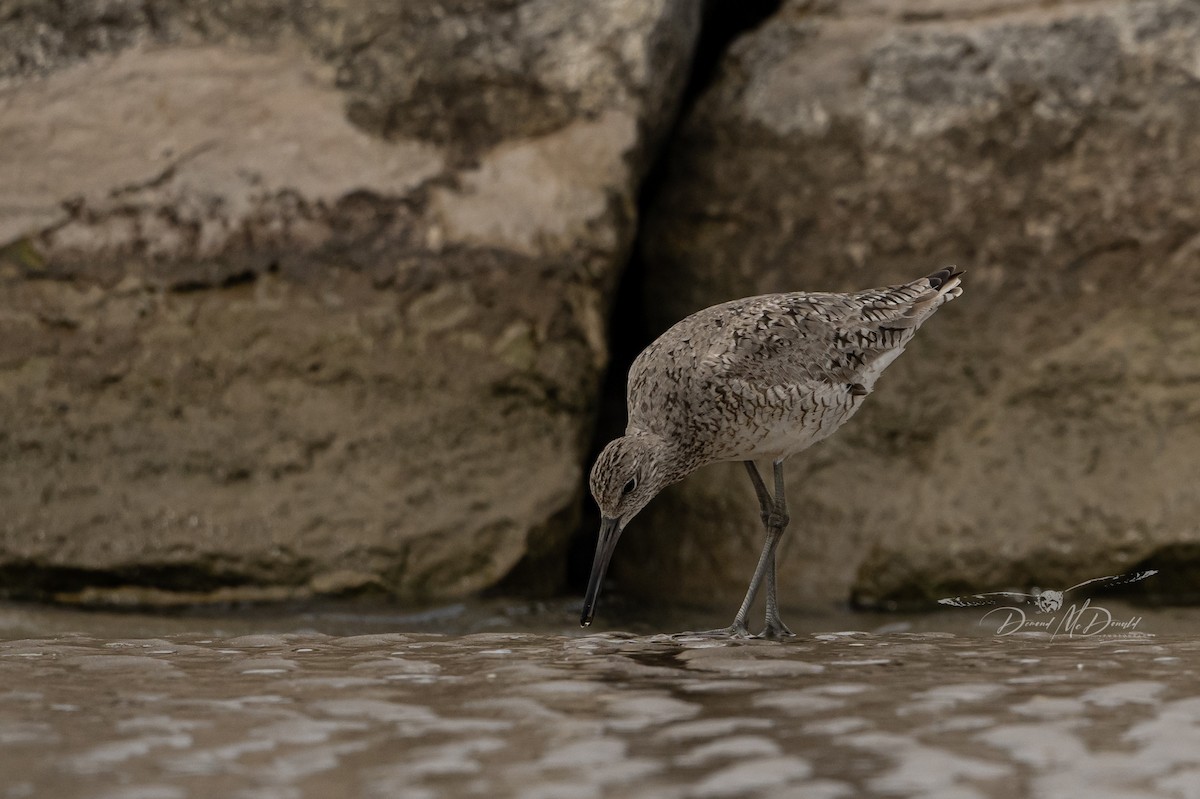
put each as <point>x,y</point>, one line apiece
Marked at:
<point>758,378</point>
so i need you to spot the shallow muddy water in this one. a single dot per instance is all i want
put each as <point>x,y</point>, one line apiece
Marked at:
<point>325,703</point>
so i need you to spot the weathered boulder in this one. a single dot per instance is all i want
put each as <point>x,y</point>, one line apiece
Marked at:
<point>1046,427</point>
<point>308,298</point>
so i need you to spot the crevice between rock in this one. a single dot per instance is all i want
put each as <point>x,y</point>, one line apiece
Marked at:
<point>629,326</point>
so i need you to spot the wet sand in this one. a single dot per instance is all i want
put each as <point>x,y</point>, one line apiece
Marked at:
<point>544,714</point>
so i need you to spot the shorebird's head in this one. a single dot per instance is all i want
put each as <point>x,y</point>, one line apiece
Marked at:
<point>628,474</point>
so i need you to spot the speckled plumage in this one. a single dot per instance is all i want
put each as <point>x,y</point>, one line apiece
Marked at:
<point>768,376</point>
<point>757,378</point>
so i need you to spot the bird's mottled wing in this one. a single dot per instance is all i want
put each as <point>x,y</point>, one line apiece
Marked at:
<point>781,339</point>
<point>992,598</point>
<point>781,350</point>
<point>797,338</point>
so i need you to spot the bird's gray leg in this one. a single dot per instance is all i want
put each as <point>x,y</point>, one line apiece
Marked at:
<point>766,561</point>
<point>776,522</point>
<point>765,501</point>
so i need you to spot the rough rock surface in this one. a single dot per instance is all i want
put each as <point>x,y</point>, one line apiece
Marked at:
<point>307,298</point>
<point>1045,428</point>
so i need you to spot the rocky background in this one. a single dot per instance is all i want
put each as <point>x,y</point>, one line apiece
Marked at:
<point>318,298</point>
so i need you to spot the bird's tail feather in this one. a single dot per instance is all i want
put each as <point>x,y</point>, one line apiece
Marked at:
<point>910,304</point>
<point>947,282</point>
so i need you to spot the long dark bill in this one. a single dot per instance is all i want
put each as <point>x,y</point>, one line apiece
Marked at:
<point>610,531</point>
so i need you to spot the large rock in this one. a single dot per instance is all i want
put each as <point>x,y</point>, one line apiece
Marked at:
<point>306,298</point>
<point>1046,427</point>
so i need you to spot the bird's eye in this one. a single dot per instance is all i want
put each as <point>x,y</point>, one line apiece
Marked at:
<point>629,487</point>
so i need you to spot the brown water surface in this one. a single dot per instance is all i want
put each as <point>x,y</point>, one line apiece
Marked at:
<point>515,701</point>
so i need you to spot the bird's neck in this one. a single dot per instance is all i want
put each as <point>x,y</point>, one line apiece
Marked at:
<point>672,461</point>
